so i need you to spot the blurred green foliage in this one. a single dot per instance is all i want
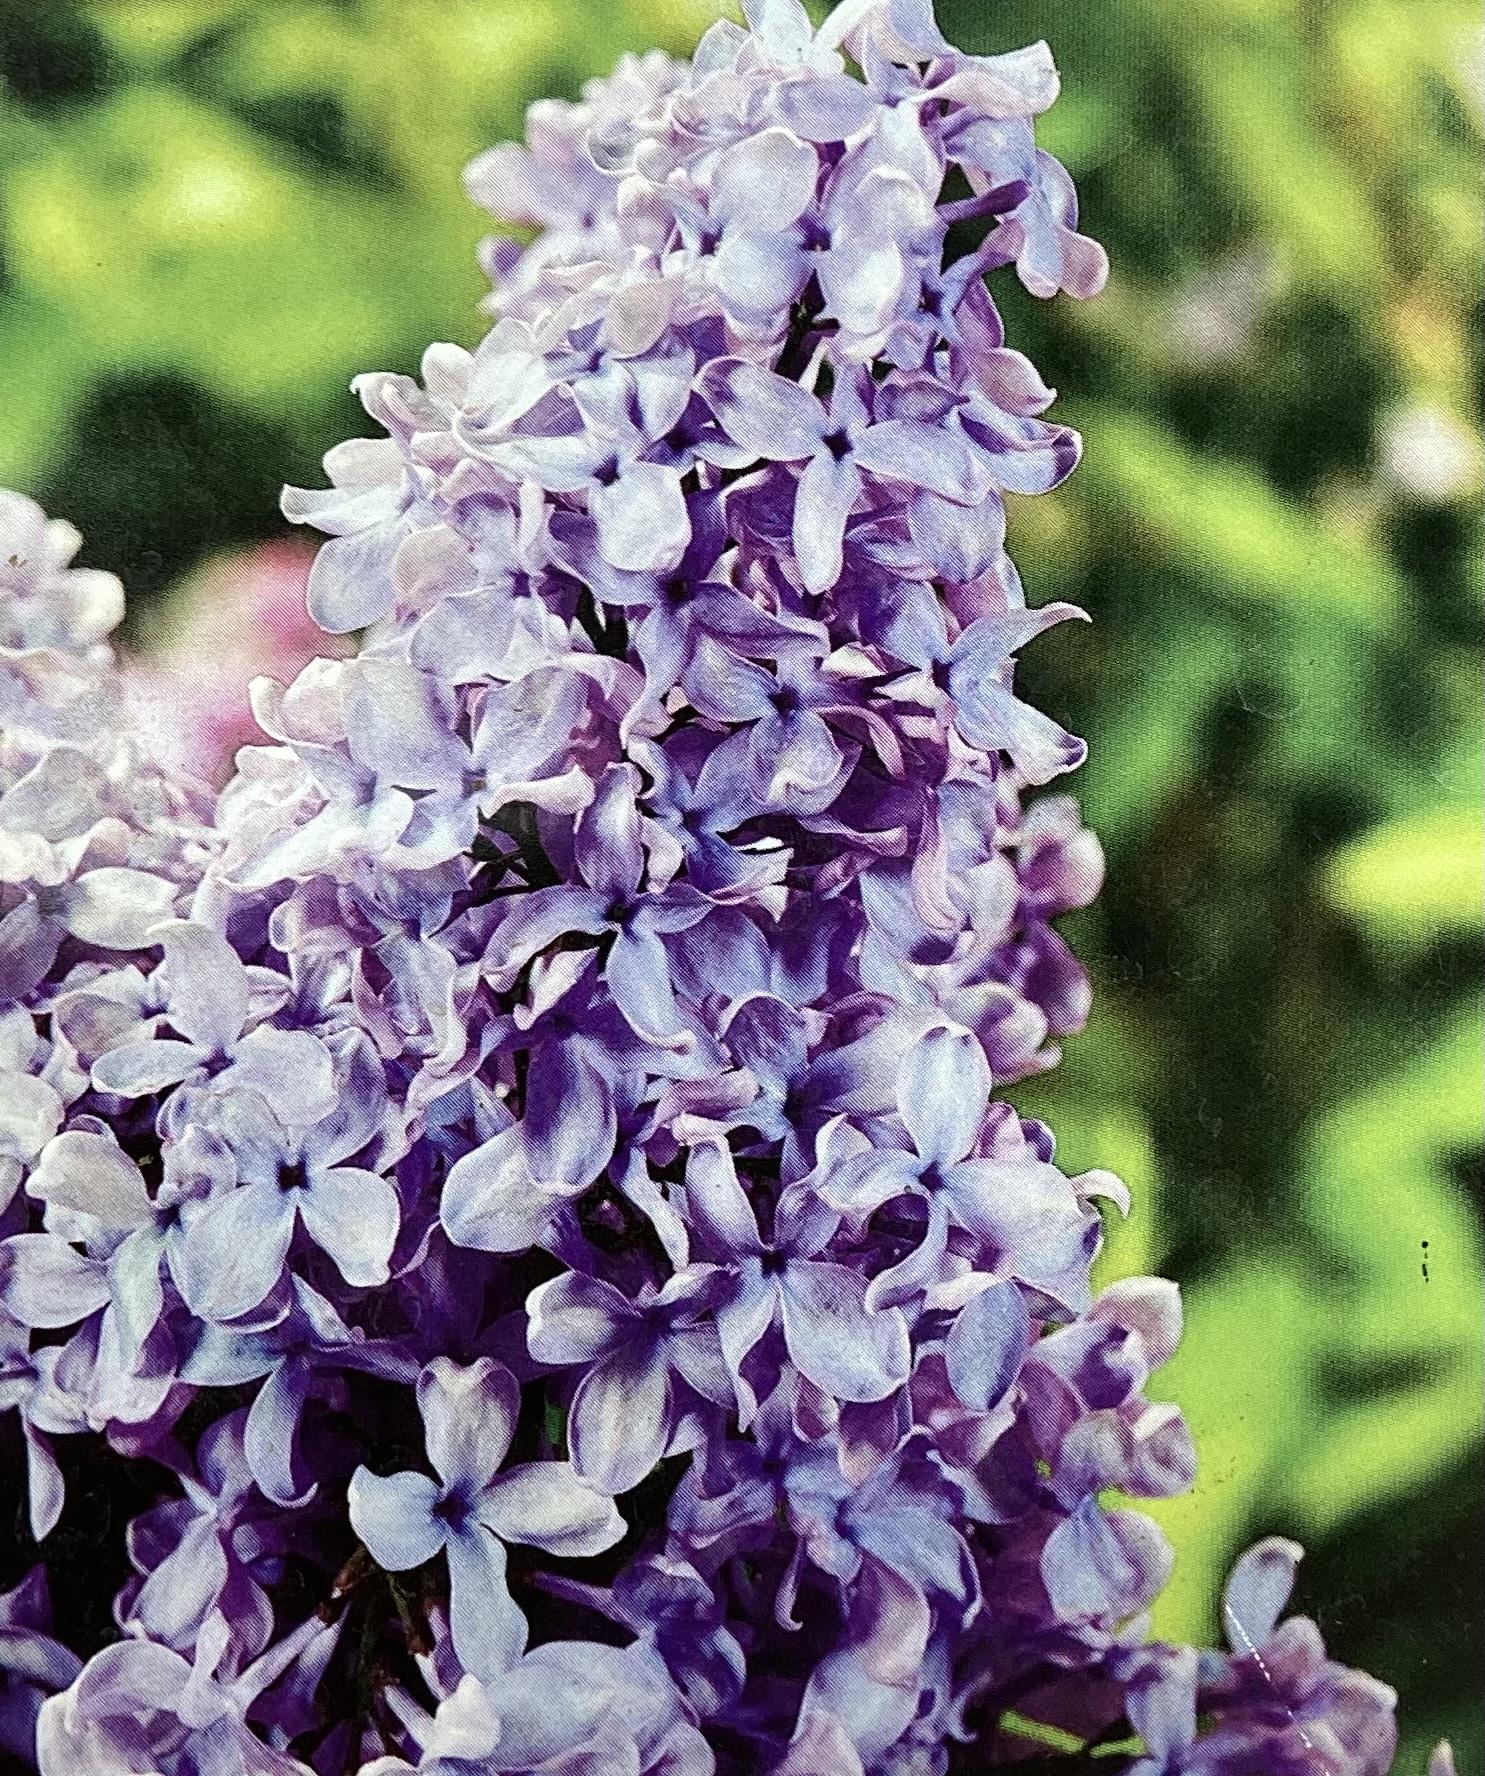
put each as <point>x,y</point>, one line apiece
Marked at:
<point>214,212</point>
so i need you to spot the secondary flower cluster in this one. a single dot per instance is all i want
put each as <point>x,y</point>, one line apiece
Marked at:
<point>524,1177</point>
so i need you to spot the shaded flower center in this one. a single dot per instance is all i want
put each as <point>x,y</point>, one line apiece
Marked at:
<point>453,1508</point>
<point>815,235</point>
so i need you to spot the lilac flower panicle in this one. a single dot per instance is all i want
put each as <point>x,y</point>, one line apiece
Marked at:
<point>523,1175</point>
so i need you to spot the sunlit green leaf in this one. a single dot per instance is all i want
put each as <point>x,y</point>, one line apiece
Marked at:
<point>1414,876</point>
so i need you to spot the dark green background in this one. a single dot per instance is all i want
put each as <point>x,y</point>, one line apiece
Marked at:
<point>214,212</point>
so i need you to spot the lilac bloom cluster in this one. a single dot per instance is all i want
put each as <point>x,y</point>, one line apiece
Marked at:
<point>527,1173</point>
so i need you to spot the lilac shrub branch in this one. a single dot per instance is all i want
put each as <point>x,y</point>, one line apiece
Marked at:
<point>526,1170</point>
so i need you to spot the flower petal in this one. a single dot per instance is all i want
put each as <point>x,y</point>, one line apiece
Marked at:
<point>268,1437</point>
<point>834,1341</point>
<point>1257,1591</point>
<point>765,182</point>
<point>864,1181</point>
<point>1097,1565</point>
<point>621,1419</point>
<point>827,491</point>
<point>642,521</point>
<point>548,1506</point>
<point>536,920</point>
<point>206,982</point>
<point>987,1344</point>
<point>291,1069</point>
<point>393,1515</point>
<point>606,838</point>
<point>765,413</point>
<point>489,1200</point>
<point>138,1293</point>
<point>718,1206</point>
<point>919,1270</point>
<point>943,1089</point>
<point>638,976</point>
<point>92,1175</point>
<point>469,1417</point>
<point>136,1069</point>
<point>741,1323</point>
<point>31,1112</point>
<point>924,456</point>
<point>233,1253</point>
<point>569,1125</point>
<point>48,1284</point>
<point>353,1215</point>
<point>577,1319</point>
<point>488,1628</point>
<point>350,584</point>
<point>116,908</point>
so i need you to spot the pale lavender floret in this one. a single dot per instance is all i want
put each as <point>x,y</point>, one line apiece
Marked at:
<point>640,1360</point>
<point>1025,1210</point>
<point>676,611</point>
<point>140,1706</point>
<point>840,444</point>
<point>794,759</point>
<point>1275,1703</point>
<point>297,1357</point>
<point>101,904</point>
<point>31,1106</point>
<point>286,1178</point>
<point>47,1284</point>
<point>744,229</point>
<point>611,860</point>
<point>471,1511</point>
<point>572,1708</point>
<point>35,1383</point>
<point>209,1002</point>
<point>637,506</point>
<point>378,496</point>
<point>670,1608</point>
<point>85,1173</point>
<point>833,1336</point>
<point>44,601</point>
<point>701,792</point>
<point>792,1093</point>
<point>188,1557</point>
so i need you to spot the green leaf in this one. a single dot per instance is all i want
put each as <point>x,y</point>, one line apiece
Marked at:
<point>1412,878</point>
<point>1256,549</point>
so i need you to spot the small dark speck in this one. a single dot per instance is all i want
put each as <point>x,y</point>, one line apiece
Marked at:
<point>1425,1261</point>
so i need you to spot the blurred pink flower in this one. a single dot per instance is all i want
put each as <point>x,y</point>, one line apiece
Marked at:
<point>240,616</point>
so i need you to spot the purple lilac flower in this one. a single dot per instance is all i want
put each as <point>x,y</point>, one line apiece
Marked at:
<point>471,1511</point>
<point>639,1360</point>
<point>566,1063</point>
